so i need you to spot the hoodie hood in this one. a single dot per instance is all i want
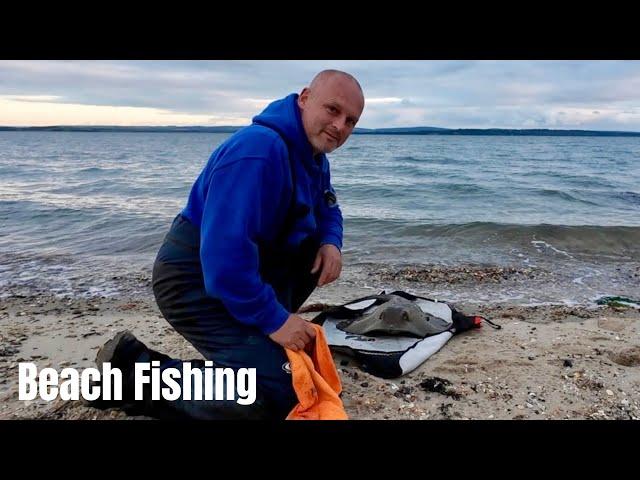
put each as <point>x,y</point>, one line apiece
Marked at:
<point>284,117</point>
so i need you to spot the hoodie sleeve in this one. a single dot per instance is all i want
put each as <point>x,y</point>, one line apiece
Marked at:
<point>243,200</point>
<point>329,214</point>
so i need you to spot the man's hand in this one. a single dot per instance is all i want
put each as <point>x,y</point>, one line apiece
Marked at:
<point>294,334</point>
<point>330,259</point>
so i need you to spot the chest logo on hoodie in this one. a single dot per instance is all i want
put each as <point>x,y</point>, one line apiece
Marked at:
<point>331,198</point>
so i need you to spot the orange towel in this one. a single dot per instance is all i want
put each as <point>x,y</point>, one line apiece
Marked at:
<point>316,382</point>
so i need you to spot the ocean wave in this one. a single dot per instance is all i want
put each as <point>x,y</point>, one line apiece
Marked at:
<point>585,239</point>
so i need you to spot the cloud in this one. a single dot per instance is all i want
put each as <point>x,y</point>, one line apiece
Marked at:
<point>472,94</point>
<point>15,112</point>
<point>383,100</point>
<point>32,98</point>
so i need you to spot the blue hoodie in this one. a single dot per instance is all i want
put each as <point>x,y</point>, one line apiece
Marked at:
<point>241,199</point>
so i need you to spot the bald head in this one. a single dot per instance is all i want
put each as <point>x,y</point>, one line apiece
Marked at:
<point>330,108</point>
<point>327,75</point>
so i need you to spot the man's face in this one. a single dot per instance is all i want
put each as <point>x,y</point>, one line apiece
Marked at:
<point>330,112</point>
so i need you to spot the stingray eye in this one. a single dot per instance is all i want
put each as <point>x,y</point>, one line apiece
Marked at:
<point>405,316</point>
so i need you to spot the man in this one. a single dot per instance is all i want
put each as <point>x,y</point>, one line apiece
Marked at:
<point>261,229</point>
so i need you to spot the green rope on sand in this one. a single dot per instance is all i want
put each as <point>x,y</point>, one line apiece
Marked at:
<point>618,302</point>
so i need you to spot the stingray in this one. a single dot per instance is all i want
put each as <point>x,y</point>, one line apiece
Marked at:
<point>397,316</point>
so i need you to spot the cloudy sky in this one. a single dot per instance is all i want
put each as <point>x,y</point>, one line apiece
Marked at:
<point>602,95</point>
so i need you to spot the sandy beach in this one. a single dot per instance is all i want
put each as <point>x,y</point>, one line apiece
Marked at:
<point>547,362</point>
<point>508,190</point>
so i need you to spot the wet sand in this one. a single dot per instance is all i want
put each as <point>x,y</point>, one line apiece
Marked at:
<point>547,362</point>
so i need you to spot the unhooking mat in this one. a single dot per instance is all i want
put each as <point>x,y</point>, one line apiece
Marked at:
<point>388,349</point>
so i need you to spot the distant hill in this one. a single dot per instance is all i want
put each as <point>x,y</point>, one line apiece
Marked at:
<point>357,131</point>
<point>115,128</point>
<point>401,131</point>
<point>539,132</point>
<point>536,132</point>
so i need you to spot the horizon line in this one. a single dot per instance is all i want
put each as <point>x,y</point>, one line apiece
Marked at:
<point>357,128</point>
